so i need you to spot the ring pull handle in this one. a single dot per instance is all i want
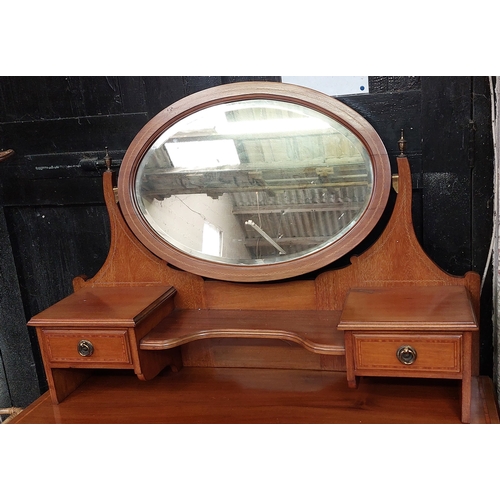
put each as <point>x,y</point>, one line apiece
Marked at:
<point>406,354</point>
<point>85,348</point>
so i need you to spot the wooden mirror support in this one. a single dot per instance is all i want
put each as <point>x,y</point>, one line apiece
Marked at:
<point>391,312</point>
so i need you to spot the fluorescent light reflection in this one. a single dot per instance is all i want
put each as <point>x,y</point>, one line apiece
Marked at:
<point>296,125</point>
<point>203,154</point>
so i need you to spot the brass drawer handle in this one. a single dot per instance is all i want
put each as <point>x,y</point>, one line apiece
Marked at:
<point>406,354</point>
<point>85,348</point>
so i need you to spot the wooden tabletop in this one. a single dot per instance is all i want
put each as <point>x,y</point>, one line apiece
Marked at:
<point>401,308</point>
<point>102,306</point>
<point>251,395</point>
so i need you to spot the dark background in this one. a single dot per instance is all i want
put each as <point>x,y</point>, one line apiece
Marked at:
<point>53,222</point>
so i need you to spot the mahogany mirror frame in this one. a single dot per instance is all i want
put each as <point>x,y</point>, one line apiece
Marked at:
<point>309,98</point>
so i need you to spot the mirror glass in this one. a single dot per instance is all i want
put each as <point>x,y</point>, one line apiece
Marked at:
<point>254,182</point>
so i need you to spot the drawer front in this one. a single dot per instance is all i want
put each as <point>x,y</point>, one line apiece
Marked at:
<point>423,353</point>
<point>87,346</point>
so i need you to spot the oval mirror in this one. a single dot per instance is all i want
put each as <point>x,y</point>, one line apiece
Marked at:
<point>254,182</point>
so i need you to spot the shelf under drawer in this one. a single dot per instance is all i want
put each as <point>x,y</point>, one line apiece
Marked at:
<point>314,330</point>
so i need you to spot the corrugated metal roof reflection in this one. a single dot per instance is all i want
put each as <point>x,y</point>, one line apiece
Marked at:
<point>298,219</point>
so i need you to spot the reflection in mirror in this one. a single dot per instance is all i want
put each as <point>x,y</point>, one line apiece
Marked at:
<point>254,182</point>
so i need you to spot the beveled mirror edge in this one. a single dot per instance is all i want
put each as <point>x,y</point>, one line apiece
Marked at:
<point>255,90</point>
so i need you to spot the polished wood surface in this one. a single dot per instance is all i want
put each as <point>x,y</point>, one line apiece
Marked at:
<point>435,308</point>
<point>178,318</point>
<point>232,310</point>
<point>102,306</point>
<point>257,353</point>
<point>113,320</point>
<point>395,259</point>
<point>438,355</point>
<point>251,396</point>
<point>314,330</point>
<point>436,323</point>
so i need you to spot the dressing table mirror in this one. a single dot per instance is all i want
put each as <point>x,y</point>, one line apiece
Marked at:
<point>251,183</point>
<point>231,209</point>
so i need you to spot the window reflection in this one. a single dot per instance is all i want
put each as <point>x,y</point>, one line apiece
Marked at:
<point>273,180</point>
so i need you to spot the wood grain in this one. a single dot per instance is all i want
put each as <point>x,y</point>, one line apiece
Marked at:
<point>414,294</point>
<point>103,306</point>
<point>438,322</point>
<point>403,308</point>
<point>226,395</point>
<point>314,330</point>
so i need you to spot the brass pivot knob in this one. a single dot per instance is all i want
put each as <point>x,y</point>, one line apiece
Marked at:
<point>85,348</point>
<point>406,354</point>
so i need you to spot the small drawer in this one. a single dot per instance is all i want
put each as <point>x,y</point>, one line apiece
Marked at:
<point>87,346</point>
<point>418,353</point>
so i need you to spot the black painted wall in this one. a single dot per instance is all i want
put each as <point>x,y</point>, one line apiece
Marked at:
<point>53,223</point>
